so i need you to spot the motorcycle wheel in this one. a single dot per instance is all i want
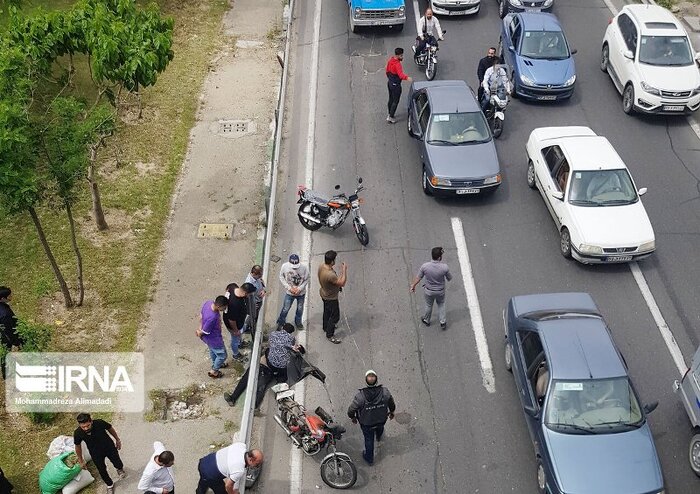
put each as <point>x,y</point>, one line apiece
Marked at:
<point>309,225</point>
<point>497,127</point>
<point>361,232</point>
<point>338,472</point>
<point>430,69</point>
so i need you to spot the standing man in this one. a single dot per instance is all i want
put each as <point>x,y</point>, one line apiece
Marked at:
<point>224,471</point>
<point>209,332</point>
<point>236,313</point>
<point>255,279</point>
<point>158,477</point>
<point>484,64</point>
<point>294,277</point>
<point>434,274</point>
<point>371,407</point>
<point>331,285</point>
<point>8,326</point>
<point>395,74</point>
<point>96,434</point>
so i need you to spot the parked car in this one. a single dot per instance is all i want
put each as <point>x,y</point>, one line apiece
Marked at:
<point>506,6</point>
<point>455,7</point>
<point>651,61</point>
<point>457,150</point>
<point>370,13</point>
<point>590,195</point>
<point>586,422</point>
<point>534,46</point>
<point>688,388</point>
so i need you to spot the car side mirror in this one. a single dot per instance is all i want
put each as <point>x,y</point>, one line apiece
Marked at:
<point>650,407</point>
<point>359,180</point>
<point>337,187</point>
<point>416,133</point>
<point>628,54</point>
<point>697,57</point>
<point>511,47</point>
<point>558,195</point>
<point>642,191</point>
<point>532,412</point>
<point>574,51</point>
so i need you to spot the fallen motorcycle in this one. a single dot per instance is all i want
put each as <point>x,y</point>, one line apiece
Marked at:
<point>317,211</point>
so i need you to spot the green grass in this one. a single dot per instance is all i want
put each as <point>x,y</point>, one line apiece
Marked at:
<point>119,264</point>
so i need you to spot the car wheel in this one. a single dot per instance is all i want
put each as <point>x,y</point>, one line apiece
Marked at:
<point>399,27</point>
<point>513,85</point>
<point>508,357</point>
<point>531,175</point>
<point>541,478</point>
<point>694,454</point>
<point>628,99</point>
<point>565,243</point>
<point>604,58</point>
<point>502,8</point>
<point>426,184</point>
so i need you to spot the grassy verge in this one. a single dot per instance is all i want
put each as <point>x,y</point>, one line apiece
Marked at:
<point>138,172</point>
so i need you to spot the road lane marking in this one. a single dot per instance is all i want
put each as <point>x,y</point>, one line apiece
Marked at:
<point>665,331</point>
<point>482,346</point>
<point>694,125</point>
<point>296,457</point>
<point>611,7</point>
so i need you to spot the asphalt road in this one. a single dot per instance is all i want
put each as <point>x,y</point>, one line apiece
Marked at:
<point>452,435</point>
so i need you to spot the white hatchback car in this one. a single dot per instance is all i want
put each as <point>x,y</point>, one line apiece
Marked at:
<point>650,59</point>
<point>590,195</point>
<point>455,7</point>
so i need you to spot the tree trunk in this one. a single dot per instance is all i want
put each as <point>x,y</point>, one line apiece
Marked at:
<point>78,256</point>
<point>47,249</point>
<point>97,210</point>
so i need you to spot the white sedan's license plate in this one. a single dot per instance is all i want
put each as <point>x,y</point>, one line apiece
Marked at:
<point>467,191</point>
<point>674,108</point>
<point>548,97</point>
<point>456,12</point>
<point>618,258</point>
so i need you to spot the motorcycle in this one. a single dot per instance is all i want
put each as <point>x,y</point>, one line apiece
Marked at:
<point>312,432</point>
<point>428,57</point>
<point>316,211</point>
<point>495,112</point>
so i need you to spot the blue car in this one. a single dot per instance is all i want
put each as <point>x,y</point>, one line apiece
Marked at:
<point>533,45</point>
<point>587,425</point>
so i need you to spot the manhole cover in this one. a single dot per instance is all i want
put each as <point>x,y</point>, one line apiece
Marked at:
<point>215,230</point>
<point>234,128</point>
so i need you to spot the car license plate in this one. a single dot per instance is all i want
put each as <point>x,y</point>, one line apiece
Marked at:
<point>548,97</point>
<point>467,191</point>
<point>456,12</point>
<point>674,107</point>
<point>618,258</point>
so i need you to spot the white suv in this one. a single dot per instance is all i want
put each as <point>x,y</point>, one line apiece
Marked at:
<point>650,59</point>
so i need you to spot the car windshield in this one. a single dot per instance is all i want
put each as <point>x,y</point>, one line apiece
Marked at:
<point>665,51</point>
<point>593,406</point>
<point>602,188</point>
<point>544,44</point>
<point>458,128</point>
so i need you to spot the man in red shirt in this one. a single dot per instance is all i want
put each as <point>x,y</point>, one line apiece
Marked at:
<point>395,74</point>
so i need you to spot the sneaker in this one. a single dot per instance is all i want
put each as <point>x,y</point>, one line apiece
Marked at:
<point>333,339</point>
<point>239,358</point>
<point>110,489</point>
<point>364,457</point>
<point>121,474</point>
<point>229,399</point>
<point>300,327</point>
<point>425,321</point>
<point>443,325</point>
<point>391,120</point>
<point>244,344</point>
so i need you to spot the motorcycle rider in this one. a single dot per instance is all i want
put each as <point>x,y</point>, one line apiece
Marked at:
<point>428,29</point>
<point>494,77</point>
<point>484,64</point>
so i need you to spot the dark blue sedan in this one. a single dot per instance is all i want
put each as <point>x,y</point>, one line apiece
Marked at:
<point>533,45</point>
<point>585,420</point>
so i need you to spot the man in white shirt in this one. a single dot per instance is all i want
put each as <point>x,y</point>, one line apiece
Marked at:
<point>428,29</point>
<point>158,477</point>
<point>494,77</point>
<point>294,277</point>
<point>223,471</point>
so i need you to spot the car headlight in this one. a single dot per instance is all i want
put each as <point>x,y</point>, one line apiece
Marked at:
<point>496,179</point>
<point>517,3</point>
<point>402,9</point>
<point>435,181</point>
<point>696,91</point>
<point>649,89</point>
<point>647,246</point>
<point>590,249</point>
<point>547,3</point>
<point>570,81</point>
<point>526,80</point>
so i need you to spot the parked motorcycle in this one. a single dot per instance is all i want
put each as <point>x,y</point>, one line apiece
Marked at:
<point>317,211</point>
<point>313,432</point>
<point>428,57</point>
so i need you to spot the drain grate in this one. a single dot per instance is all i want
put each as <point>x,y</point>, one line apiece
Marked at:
<point>234,128</point>
<point>215,230</point>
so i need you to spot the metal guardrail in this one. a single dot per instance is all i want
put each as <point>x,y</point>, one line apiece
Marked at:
<point>249,404</point>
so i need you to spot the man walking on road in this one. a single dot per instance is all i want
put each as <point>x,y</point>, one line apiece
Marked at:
<point>434,274</point>
<point>331,285</point>
<point>371,407</point>
<point>294,277</point>
<point>8,326</point>
<point>224,471</point>
<point>96,435</point>
<point>395,74</point>
<point>209,332</point>
<point>158,476</point>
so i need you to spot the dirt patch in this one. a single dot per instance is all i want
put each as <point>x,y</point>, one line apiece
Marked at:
<point>121,226</point>
<point>169,405</point>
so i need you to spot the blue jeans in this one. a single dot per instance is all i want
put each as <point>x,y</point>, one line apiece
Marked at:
<point>287,305</point>
<point>235,341</point>
<point>370,432</point>
<point>218,357</point>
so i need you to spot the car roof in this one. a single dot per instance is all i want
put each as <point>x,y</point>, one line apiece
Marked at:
<point>540,21</point>
<point>590,153</point>
<point>580,348</point>
<point>451,97</point>
<point>653,14</point>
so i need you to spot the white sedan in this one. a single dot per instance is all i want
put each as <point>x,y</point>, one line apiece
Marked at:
<point>590,195</point>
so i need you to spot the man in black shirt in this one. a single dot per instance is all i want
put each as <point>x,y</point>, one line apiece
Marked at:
<point>236,313</point>
<point>8,325</point>
<point>101,446</point>
<point>484,64</point>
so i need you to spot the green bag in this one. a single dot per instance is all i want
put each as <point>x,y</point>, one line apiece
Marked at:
<point>57,472</point>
